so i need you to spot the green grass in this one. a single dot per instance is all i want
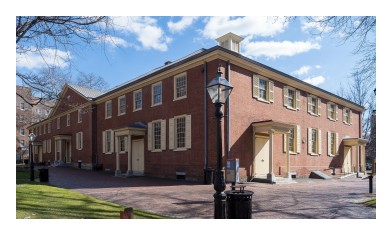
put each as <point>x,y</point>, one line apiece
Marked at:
<point>41,201</point>
<point>371,202</point>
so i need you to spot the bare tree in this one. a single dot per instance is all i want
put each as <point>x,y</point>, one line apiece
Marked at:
<point>92,81</point>
<point>58,34</point>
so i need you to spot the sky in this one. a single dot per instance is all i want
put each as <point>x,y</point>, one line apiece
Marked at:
<point>139,44</point>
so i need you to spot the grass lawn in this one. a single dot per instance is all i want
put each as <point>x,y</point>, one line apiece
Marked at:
<point>371,202</point>
<point>41,201</point>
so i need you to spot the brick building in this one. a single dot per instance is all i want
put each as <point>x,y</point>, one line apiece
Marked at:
<point>25,116</point>
<point>162,123</point>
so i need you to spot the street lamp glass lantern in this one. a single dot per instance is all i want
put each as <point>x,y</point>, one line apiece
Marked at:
<point>31,137</point>
<point>219,89</point>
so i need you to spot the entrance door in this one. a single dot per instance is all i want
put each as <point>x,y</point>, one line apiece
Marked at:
<point>67,151</point>
<point>138,157</point>
<point>261,161</point>
<point>347,160</point>
<point>39,153</point>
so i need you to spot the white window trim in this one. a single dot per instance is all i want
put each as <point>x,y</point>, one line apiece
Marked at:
<point>318,142</point>
<point>118,105</point>
<point>79,139</point>
<point>317,105</point>
<point>80,118</point>
<point>296,98</point>
<point>68,119</point>
<point>336,150</point>
<point>20,106</point>
<point>297,141</point>
<point>336,111</point>
<point>184,74</point>
<point>152,94</point>
<point>269,88</point>
<point>151,137</point>
<point>350,117</point>
<point>125,143</point>
<point>106,109</point>
<point>173,135</point>
<point>134,100</point>
<point>20,131</point>
<point>104,133</point>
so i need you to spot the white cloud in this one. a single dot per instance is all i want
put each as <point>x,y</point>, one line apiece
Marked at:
<point>318,66</point>
<point>186,21</point>
<point>114,41</point>
<point>244,26</point>
<point>34,59</point>
<point>147,32</point>
<point>274,49</point>
<point>315,80</point>
<point>310,25</point>
<point>303,70</point>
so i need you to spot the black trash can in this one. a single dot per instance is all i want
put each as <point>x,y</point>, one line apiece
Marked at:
<point>79,163</point>
<point>44,175</point>
<point>209,175</point>
<point>239,204</point>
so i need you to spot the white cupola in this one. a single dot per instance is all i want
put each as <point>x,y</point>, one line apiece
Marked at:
<point>230,41</point>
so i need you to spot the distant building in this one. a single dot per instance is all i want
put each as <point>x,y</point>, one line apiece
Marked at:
<point>27,115</point>
<point>162,123</point>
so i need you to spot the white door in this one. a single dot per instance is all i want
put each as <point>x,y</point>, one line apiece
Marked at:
<point>347,160</point>
<point>67,151</point>
<point>138,157</point>
<point>40,153</point>
<point>261,161</point>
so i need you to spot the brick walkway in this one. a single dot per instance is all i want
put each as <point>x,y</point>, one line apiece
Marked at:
<point>306,199</point>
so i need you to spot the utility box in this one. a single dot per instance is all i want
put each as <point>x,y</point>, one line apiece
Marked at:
<point>232,170</point>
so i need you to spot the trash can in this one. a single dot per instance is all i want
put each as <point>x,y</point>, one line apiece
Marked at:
<point>209,175</point>
<point>239,204</point>
<point>79,163</point>
<point>44,175</point>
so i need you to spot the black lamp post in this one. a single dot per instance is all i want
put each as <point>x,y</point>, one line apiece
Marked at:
<point>219,90</point>
<point>31,140</point>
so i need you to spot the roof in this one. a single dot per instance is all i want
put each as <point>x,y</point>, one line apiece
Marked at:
<point>86,92</point>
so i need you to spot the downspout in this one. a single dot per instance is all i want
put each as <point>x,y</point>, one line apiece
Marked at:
<point>228,113</point>
<point>205,122</point>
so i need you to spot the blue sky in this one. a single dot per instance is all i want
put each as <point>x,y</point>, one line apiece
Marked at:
<point>140,44</point>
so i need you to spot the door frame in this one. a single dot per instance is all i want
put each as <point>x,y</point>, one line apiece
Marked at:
<point>137,171</point>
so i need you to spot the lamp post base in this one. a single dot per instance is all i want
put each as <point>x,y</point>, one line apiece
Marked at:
<point>220,205</point>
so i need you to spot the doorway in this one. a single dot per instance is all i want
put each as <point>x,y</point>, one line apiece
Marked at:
<point>347,159</point>
<point>261,160</point>
<point>138,157</point>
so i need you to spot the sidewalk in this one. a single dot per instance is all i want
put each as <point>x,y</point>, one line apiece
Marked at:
<point>305,199</point>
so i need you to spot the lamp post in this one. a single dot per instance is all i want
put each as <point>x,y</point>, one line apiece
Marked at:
<point>31,140</point>
<point>219,90</point>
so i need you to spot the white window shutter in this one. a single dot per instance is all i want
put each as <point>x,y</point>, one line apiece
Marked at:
<point>298,99</point>
<point>188,132</point>
<point>103,142</point>
<point>111,141</point>
<point>50,146</point>
<point>285,96</point>
<point>309,140</point>
<point>284,142</point>
<point>319,106</point>
<point>329,143</point>
<point>44,146</point>
<point>329,108</point>
<point>336,143</point>
<point>163,134</point>
<point>336,112</point>
<point>149,136</point>
<point>255,86</point>
<point>81,140</point>
<point>344,115</point>
<point>309,102</point>
<point>351,117</point>
<point>319,142</point>
<point>171,133</point>
<point>77,141</point>
<point>271,91</point>
<point>298,139</point>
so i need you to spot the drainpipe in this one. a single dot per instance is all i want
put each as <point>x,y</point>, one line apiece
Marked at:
<point>228,113</point>
<point>205,119</point>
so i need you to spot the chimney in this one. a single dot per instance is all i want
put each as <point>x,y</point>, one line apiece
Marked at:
<point>230,41</point>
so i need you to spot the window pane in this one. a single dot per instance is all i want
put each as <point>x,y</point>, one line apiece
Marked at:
<point>157,94</point>
<point>180,87</point>
<point>290,100</point>
<point>122,105</point>
<point>314,141</point>
<point>180,131</point>
<point>291,140</point>
<point>262,89</point>
<point>157,135</point>
<point>138,100</point>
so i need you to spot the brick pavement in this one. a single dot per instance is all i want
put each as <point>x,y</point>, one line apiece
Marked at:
<point>305,199</point>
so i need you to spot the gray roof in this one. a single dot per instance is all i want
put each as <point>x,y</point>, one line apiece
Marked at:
<point>87,92</point>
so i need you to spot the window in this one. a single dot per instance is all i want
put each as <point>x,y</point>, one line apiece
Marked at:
<point>22,106</point>
<point>49,146</point>
<point>291,98</point>
<point>332,111</point>
<point>123,143</point>
<point>180,86</point>
<point>39,111</point>
<point>263,89</point>
<point>294,138</point>
<point>58,123</point>
<point>22,131</point>
<point>21,118</point>
<point>137,100</point>
<point>22,143</point>
<point>121,105</point>
<point>180,133</point>
<point>49,127</point>
<point>44,146</point>
<point>156,94</point>
<point>347,116</point>
<point>314,141</point>
<point>314,105</point>
<point>44,129</point>
<point>157,135</point>
<point>333,143</point>
<point>79,140</point>
<point>68,119</point>
<point>108,109</point>
<point>107,139</point>
<point>80,116</point>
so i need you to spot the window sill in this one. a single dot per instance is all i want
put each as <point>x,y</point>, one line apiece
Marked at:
<point>180,149</point>
<point>122,152</point>
<point>120,114</point>
<point>263,100</point>
<point>179,98</point>
<point>156,151</point>
<point>135,110</point>
<point>313,114</point>
<point>156,104</point>
<point>333,120</point>
<point>314,154</point>
<point>291,108</point>
<point>108,117</point>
